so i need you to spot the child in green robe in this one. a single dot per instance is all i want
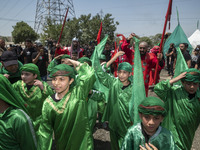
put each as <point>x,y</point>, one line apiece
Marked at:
<point>16,129</point>
<point>33,91</point>
<point>65,113</point>
<point>117,108</point>
<point>183,106</point>
<point>149,134</point>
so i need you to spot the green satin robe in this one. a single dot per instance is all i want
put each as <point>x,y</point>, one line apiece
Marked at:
<point>68,118</point>
<point>183,113</point>
<point>16,130</point>
<point>117,108</point>
<point>96,104</point>
<point>34,97</point>
<point>162,139</point>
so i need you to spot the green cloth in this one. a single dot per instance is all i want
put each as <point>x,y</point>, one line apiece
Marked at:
<point>16,130</point>
<point>30,67</point>
<point>68,118</point>
<point>177,37</point>
<point>12,76</point>
<point>34,97</point>
<point>68,71</point>
<point>138,90</point>
<point>162,139</point>
<point>9,95</point>
<point>102,57</point>
<point>192,77</point>
<point>65,56</point>
<point>117,108</point>
<point>181,65</point>
<point>152,105</point>
<point>125,66</point>
<point>183,114</point>
<point>96,103</point>
<point>52,64</point>
<point>85,59</point>
<point>96,64</point>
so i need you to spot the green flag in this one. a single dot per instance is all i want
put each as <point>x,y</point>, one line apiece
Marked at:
<point>138,90</point>
<point>181,65</point>
<point>96,64</point>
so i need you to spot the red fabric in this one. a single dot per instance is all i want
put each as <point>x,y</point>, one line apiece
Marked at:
<point>68,50</point>
<point>99,34</point>
<point>60,51</point>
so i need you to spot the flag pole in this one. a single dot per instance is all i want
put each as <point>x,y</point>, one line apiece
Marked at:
<point>167,18</point>
<point>63,26</point>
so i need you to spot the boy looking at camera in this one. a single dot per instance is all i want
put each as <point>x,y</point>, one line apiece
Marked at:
<point>149,134</point>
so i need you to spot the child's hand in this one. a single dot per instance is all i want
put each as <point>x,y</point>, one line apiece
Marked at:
<point>148,147</point>
<point>39,84</point>
<point>182,75</point>
<point>6,75</point>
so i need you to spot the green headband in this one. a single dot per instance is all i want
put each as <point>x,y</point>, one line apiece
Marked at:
<point>152,106</point>
<point>192,77</point>
<point>62,70</point>
<point>65,56</point>
<point>31,68</point>
<point>125,66</point>
<point>85,59</point>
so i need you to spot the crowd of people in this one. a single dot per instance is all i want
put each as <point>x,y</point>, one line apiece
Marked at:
<point>87,87</point>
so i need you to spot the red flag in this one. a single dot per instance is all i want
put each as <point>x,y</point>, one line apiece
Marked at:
<point>99,34</point>
<point>167,18</point>
<point>123,37</point>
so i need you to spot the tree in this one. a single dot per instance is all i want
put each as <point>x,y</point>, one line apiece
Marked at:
<point>22,31</point>
<point>84,28</point>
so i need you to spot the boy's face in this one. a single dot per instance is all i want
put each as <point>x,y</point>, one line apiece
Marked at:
<point>28,77</point>
<point>150,123</point>
<point>123,75</point>
<point>190,87</point>
<point>61,83</point>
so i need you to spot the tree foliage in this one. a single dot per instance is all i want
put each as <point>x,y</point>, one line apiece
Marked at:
<point>85,28</point>
<point>22,31</point>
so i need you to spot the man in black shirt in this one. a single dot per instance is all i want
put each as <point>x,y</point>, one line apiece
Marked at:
<point>28,51</point>
<point>186,55</point>
<point>40,58</point>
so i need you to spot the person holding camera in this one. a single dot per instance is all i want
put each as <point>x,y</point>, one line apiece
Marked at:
<point>40,58</point>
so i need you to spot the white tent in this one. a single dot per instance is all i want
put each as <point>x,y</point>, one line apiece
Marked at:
<point>194,39</point>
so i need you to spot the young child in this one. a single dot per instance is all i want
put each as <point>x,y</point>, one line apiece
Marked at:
<point>117,108</point>
<point>16,129</point>
<point>33,91</point>
<point>65,113</point>
<point>183,106</point>
<point>149,134</point>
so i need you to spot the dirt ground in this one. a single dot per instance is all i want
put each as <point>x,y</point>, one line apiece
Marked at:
<point>102,136</point>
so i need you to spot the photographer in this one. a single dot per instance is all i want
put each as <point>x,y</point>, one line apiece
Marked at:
<point>40,58</point>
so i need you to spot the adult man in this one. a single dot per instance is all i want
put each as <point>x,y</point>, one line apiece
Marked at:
<point>28,51</point>
<point>2,46</point>
<point>186,55</point>
<point>10,66</point>
<point>40,58</point>
<point>75,51</point>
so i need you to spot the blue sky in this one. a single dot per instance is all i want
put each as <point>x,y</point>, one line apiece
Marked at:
<point>143,17</point>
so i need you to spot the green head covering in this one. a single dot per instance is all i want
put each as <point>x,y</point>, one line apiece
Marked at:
<point>102,57</point>
<point>9,94</point>
<point>63,70</point>
<point>85,59</point>
<point>194,77</point>
<point>152,106</point>
<point>125,66</point>
<point>31,68</point>
<point>65,56</point>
